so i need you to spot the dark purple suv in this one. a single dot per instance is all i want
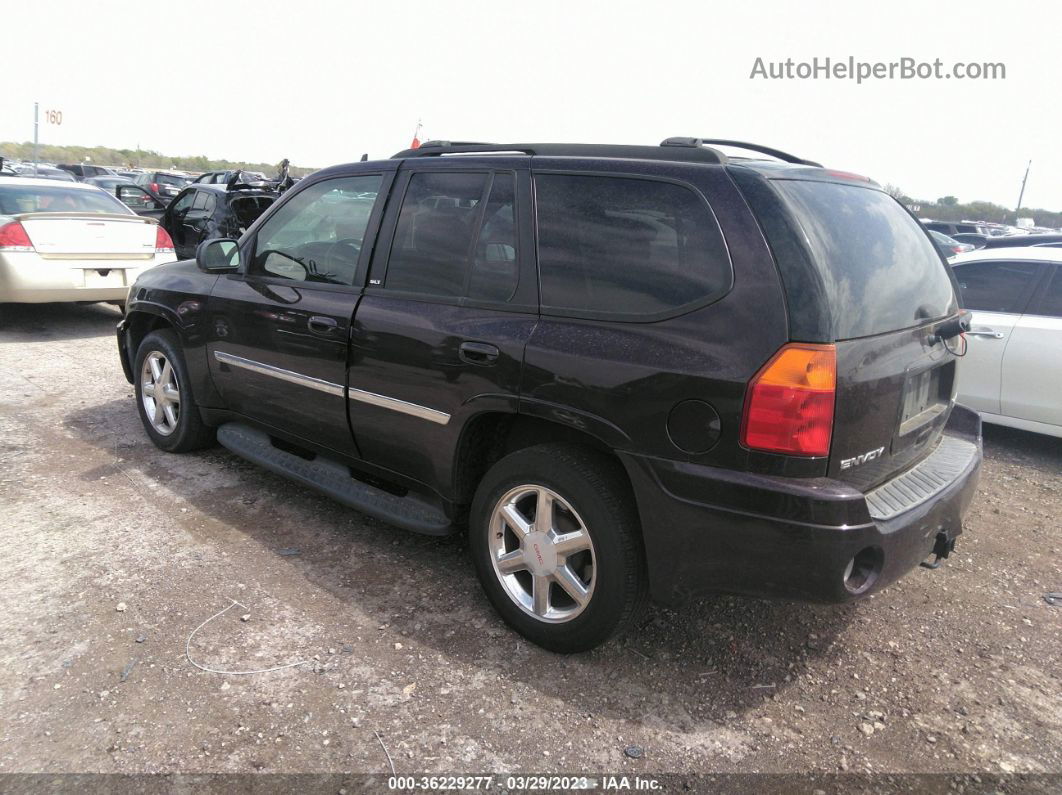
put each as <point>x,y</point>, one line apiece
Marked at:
<point>623,371</point>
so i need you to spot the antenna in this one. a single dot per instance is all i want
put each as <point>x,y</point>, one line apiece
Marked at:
<point>1022,194</point>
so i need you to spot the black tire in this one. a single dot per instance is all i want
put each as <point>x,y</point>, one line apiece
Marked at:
<point>190,432</point>
<point>596,487</point>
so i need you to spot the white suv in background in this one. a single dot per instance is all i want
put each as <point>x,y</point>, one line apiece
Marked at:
<point>1012,372</point>
<point>72,242</point>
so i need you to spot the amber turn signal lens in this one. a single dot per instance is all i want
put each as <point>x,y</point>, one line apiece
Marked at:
<point>789,403</point>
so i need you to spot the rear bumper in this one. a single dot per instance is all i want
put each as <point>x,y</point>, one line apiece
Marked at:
<point>709,530</point>
<point>27,278</point>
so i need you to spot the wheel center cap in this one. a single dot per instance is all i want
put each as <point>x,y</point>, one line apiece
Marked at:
<point>539,553</point>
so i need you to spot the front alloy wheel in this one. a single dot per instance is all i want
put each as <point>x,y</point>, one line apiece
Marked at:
<point>165,399</point>
<point>160,393</point>
<point>542,553</point>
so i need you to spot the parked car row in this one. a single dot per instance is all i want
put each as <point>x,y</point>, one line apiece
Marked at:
<point>982,228</point>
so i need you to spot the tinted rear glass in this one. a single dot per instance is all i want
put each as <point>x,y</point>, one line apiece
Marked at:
<point>879,269</point>
<point>613,246</point>
<point>16,199</point>
<point>167,179</point>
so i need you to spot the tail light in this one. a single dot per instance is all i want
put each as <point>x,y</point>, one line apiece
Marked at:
<point>13,237</point>
<point>789,402</point>
<point>163,241</point>
<point>154,187</point>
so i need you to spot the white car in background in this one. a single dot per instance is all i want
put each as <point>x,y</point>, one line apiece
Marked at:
<point>1012,372</point>
<point>72,242</point>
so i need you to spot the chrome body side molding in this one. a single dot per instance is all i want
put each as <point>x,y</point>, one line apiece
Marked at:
<point>373,399</point>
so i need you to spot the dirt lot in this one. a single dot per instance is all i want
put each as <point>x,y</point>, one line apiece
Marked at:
<point>114,552</point>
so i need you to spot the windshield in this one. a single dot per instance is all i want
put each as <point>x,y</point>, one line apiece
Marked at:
<point>15,199</point>
<point>879,269</point>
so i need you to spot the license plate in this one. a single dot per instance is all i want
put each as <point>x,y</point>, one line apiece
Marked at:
<point>113,277</point>
<point>921,393</point>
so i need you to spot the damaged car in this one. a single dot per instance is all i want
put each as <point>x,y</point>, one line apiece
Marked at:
<point>204,211</point>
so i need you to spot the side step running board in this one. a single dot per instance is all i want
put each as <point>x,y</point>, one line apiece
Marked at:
<point>333,478</point>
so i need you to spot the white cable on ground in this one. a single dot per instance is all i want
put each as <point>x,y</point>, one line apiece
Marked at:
<point>380,740</point>
<point>188,649</point>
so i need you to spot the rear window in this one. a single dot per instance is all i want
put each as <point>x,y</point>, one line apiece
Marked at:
<point>626,248</point>
<point>16,199</point>
<point>169,179</point>
<point>879,270</point>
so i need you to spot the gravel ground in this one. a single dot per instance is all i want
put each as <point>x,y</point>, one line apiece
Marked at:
<point>116,551</point>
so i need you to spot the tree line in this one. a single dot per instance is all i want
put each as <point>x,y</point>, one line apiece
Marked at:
<point>136,158</point>
<point>949,208</point>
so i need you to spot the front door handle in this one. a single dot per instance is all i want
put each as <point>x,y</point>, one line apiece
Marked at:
<point>480,353</point>
<point>987,332</point>
<point>322,325</point>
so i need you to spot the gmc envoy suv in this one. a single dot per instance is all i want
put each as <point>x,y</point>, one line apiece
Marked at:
<point>625,371</point>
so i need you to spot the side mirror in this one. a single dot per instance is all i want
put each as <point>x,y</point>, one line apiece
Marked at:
<point>218,255</point>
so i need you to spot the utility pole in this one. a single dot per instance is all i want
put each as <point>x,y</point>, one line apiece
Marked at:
<point>1022,194</point>
<point>36,106</point>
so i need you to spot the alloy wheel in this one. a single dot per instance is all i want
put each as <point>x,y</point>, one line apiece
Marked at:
<point>160,393</point>
<point>542,553</point>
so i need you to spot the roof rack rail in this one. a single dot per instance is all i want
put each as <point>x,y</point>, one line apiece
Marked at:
<point>438,148</point>
<point>765,150</point>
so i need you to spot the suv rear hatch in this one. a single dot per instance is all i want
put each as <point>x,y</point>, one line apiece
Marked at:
<point>860,272</point>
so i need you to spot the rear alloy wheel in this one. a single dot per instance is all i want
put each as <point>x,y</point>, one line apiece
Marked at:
<point>542,553</point>
<point>164,396</point>
<point>555,539</point>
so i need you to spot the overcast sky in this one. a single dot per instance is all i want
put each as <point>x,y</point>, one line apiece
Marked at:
<point>321,82</point>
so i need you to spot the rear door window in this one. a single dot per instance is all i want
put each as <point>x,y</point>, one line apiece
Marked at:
<point>626,248</point>
<point>1050,301</point>
<point>878,267</point>
<point>456,237</point>
<point>995,285</point>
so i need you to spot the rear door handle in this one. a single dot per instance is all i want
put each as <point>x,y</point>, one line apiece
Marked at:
<point>480,353</point>
<point>986,332</point>
<point>319,324</point>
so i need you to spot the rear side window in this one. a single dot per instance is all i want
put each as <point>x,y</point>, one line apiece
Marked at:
<point>625,247</point>
<point>878,267</point>
<point>994,286</point>
<point>1050,303</point>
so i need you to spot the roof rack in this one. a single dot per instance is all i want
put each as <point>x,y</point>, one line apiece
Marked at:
<point>438,148</point>
<point>765,150</point>
<point>690,149</point>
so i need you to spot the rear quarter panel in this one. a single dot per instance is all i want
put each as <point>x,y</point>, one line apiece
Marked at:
<point>620,380</point>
